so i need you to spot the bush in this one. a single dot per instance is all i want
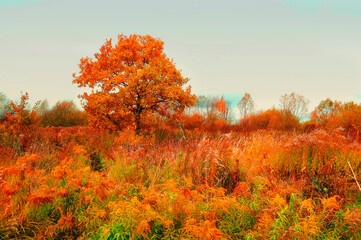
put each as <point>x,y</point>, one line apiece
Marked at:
<point>64,114</point>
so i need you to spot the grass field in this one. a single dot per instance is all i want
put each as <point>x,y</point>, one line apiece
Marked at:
<point>79,182</point>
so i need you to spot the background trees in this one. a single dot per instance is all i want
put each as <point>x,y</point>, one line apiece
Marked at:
<point>21,114</point>
<point>325,110</point>
<point>4,106</point>
<point>330,115</point>
<point>246,105</point>
<point>62,114</point>
<point>295,104</point>
<point>129,81</point>
<point>272,119</point>
<point>214,108</point>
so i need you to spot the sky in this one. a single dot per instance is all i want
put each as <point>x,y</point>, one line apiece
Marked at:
<point>226,47</point>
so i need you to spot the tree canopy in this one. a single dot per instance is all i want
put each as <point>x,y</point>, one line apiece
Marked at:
<point>130,80</point>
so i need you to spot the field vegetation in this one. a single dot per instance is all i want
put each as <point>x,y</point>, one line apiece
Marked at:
<point>147,159</point>
<point>269,176</point>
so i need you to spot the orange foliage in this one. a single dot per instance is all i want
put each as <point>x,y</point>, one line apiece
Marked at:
<point>221,106</point>
<point>21,116</point>
<point>331,115</point>
<point>41,196</point>
<point>266,184</point>
<point>273,119</point>
<point>132,78</point>
<point>353,220</point>
<point>64,114</point>
<point>203,229</point>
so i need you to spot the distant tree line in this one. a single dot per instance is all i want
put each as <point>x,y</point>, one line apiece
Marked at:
<point>213,114</point>
<point>292,114</point>
<point>62,114</point>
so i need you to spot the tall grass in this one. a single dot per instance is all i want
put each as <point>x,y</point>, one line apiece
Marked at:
<point>82,183</point>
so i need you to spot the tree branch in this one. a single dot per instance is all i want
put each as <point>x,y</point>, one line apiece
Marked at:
<point>354,176</point>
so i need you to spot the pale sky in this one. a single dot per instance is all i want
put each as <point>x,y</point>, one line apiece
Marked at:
<point>226,47</point>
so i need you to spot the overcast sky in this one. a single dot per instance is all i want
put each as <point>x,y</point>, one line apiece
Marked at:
<point>226,47</point>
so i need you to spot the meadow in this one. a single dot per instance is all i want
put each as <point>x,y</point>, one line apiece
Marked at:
<point>209,179</point>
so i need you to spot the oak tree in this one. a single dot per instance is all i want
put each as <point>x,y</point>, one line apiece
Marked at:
<point>130,80</point>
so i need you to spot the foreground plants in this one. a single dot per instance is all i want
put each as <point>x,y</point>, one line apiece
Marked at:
<point>69,183</point>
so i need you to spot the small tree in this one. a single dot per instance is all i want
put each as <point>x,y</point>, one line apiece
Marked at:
<point>214,108</point>
<point>246,106</point>
<point>4,106</point>
<point>21,114</point>
<point>326,109</point>
<point>131,80</point>
<point>43,107</point>
<point>294,104</point>
<point>224,108</point>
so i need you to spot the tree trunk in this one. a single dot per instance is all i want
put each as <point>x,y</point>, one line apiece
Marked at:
<point>114,122</point>
<point>137,123</point>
